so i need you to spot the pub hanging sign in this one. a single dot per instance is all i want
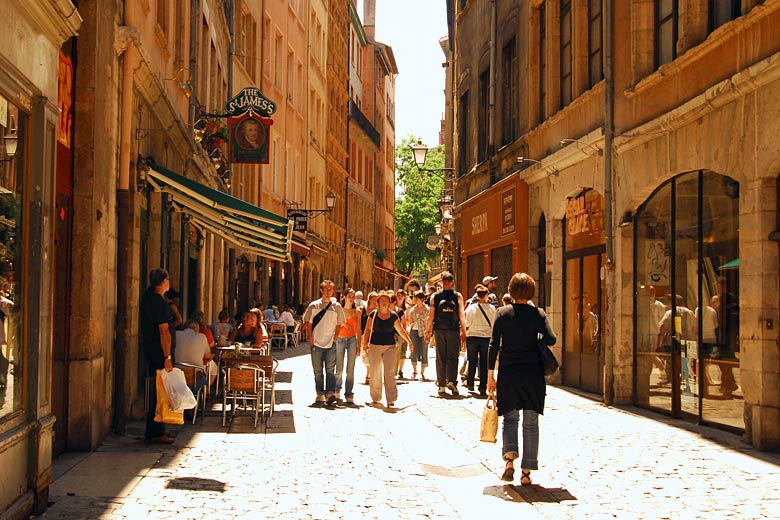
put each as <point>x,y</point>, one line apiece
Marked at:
<point>249,131</point>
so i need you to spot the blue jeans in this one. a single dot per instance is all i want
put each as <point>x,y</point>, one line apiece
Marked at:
<point>530,438</point>
<point>323,362</point>
<point>346,347</point>
<point>420,348</point>
<point>477,352</point>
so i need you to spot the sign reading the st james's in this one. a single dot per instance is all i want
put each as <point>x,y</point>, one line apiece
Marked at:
<point>250,99</point>
<point>249,132</point>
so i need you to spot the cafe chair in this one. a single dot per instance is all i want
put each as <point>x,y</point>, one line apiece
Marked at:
<point>191,374</point>
<point>244,383</point>
<point>295,336</point>
<point>277,335</point>
<point>267,366</point>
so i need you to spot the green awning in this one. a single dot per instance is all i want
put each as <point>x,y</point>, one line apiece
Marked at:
<point>246,226</point>
<point>730,265</point>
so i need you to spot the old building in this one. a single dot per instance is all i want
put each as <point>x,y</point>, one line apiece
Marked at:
<point>36,100</point>
<point>635,142</point>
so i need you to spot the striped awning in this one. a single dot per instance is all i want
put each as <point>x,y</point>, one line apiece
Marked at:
<point>238,222</point>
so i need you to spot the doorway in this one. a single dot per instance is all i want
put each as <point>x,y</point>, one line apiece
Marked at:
<point>583,359</point>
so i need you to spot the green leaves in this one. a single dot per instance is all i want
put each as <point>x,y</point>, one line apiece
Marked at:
<point>416,205</point>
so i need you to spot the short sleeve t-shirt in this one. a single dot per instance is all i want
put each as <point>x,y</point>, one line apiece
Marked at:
<point>325,331</point>
<point>154,312</point>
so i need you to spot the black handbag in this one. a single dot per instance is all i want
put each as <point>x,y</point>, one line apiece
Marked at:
<point>549,361</point>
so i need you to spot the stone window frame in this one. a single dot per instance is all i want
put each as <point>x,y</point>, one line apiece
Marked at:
<point>736,8</point>
<point>595,53</point>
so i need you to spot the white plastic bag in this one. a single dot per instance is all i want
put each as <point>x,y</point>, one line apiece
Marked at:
<point>180,396</point>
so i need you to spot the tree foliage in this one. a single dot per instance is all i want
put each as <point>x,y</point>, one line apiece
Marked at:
<point>416,205</point>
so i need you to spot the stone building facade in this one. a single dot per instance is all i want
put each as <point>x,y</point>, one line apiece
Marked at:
<point>35,88</point>
<point>116,159</point>
<point>643,134</point>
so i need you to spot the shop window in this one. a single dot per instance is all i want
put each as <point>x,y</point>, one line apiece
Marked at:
<point>501,267</point>
<point>666,20</point>
<point>476,271</point>
<point>687,300</point>
<point>12,123</point>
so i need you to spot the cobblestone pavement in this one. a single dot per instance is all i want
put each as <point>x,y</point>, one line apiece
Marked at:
<point>419,460</point>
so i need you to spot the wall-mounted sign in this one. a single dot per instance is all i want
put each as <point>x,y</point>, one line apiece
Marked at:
<point>508,212</point>
<point>299,217</point>
<point>250,99</point>
<point>479,223</point>
<point>249,138</point>
<point>65,100</point>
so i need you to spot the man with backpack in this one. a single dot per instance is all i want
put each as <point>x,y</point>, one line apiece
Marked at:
<point>322,321</point>
<point>447,323</point>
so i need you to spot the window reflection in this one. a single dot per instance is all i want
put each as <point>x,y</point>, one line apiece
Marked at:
<point>12,121</point>
<point>687,299</point>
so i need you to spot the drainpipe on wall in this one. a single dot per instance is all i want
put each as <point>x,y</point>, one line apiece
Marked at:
<point>123,366</point>
<point>492,86</point>
<point>609,123</point>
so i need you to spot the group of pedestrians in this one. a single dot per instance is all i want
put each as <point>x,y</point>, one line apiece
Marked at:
<point>502,339</point>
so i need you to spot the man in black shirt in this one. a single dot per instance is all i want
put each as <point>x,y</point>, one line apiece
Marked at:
<point>156,337</point>
<point>444,321</point>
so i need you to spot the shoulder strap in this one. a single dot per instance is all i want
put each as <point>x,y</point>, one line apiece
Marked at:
<point>318,318</point>
<point>484,314</point>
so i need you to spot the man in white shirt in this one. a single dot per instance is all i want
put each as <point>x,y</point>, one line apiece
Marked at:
<point>480,316</point>
<point>322,321</point>
<point>192,348</point>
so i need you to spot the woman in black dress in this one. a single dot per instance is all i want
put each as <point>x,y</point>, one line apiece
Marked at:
<point>517,330</point>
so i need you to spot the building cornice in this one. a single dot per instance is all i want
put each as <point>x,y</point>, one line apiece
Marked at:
<point>58,20</point>
<point>739,85</point>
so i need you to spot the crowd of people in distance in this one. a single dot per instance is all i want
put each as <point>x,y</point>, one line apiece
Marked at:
<point>389,326</point>
<point>501,339</point>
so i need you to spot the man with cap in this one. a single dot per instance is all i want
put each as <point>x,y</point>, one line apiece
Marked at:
<point>492,299</point>
<point>447,323</point>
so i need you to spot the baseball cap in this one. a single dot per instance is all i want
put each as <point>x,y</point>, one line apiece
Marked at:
<point>486,280</point>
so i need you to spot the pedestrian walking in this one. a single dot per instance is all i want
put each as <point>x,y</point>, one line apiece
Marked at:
<point>521,386</point>
<point>379,335</point>
<point>479,326</point>
<point>418,316</point>
<point>347,346</point>
<point>322,321</point>
<point>400,309</point>
<point>155,316</point>
<point>370,305</point>
<point>444,323</point>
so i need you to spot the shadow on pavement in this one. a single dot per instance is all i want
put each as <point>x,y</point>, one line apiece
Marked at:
<point>528,494</point>
<point>196,484</point>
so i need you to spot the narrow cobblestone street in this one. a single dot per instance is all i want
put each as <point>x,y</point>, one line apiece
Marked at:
<point>420,460</point>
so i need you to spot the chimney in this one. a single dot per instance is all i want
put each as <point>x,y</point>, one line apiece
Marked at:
<point>369,18</point>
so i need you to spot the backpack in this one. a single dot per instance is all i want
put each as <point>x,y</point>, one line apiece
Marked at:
<point>446,316</point>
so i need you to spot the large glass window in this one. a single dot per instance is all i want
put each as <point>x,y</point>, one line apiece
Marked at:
<point>12,124</point>
<point>501,267</point>
<point>687,300</point>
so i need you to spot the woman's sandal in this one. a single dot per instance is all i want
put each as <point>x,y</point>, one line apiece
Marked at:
<point>509,473</point>
<point>525,477</point>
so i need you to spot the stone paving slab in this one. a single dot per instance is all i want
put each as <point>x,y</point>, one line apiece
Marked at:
<point>420,460</point>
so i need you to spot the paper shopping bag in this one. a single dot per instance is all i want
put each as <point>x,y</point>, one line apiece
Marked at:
<point>488,428</point>
<point>163,412</point>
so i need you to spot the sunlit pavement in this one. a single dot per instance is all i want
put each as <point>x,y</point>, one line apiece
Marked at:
<point>421,459</point>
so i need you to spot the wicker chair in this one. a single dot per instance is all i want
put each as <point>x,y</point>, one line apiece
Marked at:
<point>243,382</point>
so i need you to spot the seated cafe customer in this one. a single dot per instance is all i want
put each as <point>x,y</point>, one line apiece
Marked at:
<point>192,348</point>
<point>287,318</point>
<point>248,331</point>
